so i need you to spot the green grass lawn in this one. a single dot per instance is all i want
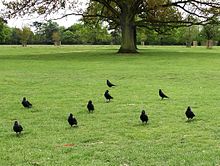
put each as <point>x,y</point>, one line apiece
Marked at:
<point>61,80</point>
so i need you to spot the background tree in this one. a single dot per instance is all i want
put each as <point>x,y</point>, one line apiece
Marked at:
<point>16,36</point>
<point>210,31</point>
<point>4,30</point>
<point>25,35</point>
<point>115,36</point>
<point>48,29</point>
<point>68,37</point>
<point>142,36</point>
<point>126,14</point>
<point>56,38</point>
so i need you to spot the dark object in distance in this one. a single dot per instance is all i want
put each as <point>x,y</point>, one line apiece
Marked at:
<point>110,84</point>
<point>90,106</point>
<point>26,103</point>
<point>189,113</point>
<point>107,95</point>
<point>162,95</point>
<point>17,127</point>
<point>72,120</point>
<point>143,117</point>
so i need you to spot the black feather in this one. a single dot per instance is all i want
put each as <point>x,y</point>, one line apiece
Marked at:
<point>26,103</point>
<point>107,95</point>
<point>72,120</point>
<point>90,106</point>
<point>143,117</point>
<point>162,95</point>
<point>110,84</point>
<point>189,113</point>
<point>17,127</point>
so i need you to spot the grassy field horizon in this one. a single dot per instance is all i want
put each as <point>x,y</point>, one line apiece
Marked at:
<point>61,80</point>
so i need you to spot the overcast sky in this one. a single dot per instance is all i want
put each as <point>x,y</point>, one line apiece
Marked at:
<point>20,22</point>
<point>27,21</point>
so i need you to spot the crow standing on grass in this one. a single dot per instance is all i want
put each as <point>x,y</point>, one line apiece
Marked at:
<point>162,95</point>
<point>107,95</point>
<point>72,120</point>
<point>110,84</point>
<point>189,113</point>
<point>143,117</point>
<point>17,127</point>
<point>90,106</point>
<point>26,103</point>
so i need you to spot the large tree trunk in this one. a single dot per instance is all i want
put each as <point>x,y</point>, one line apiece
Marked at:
<point>128,43</point>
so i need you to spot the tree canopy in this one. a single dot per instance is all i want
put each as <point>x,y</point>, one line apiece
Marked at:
<point>125,14</point>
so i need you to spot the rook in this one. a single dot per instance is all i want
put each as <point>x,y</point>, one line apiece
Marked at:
<point>72,120</point>
<point>90,106</point>
<point>162,95</point>
<point>189,113</point>
<point>110,84</point>
<point>26,103</point>
<point>143,117</point>
<point>17,127</point>
<point>107,95</point>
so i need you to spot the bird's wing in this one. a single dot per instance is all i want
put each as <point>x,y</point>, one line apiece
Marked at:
<point>29,103</point>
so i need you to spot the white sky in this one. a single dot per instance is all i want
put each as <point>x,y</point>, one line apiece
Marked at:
<point>20,22</point>
<point>27,21</point>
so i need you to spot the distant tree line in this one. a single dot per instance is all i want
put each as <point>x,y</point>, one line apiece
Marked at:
<point>97,34</point>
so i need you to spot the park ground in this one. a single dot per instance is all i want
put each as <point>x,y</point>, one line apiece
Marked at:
<point>61,80</point>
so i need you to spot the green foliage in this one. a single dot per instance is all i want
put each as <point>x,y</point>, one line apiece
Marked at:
<point>68,37</point>
<point>159,15</point>
<point>5,32</point>
<point>16,37</point>
<point>87,34</point>
<point>210,31</point>
<point>25,34</point>
<point>45,31</point>
<point>48,29</point>
<point>56,36</point>
<point>61,80</point>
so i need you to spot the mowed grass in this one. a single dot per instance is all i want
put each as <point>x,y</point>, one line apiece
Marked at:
<point>61,80</point>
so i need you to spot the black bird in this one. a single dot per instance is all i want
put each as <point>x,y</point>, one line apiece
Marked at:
<point>90,106</point>
<point>72,120</point>
<point>143,117</point>
<point>162,95</point>
<point>107,95</point>
<point>189,113</point>
<point>17,127</point>
<point>110,84</point>
<point>26,103</point>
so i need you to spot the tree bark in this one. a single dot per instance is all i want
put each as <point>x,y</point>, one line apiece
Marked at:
<point>209,43</point>
<point>128,43</point>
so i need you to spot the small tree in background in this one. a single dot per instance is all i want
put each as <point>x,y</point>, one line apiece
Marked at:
<point>56,38</point>
<point>25,34</point>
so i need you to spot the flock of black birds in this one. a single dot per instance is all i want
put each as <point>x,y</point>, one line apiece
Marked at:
<point>73,122</point>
